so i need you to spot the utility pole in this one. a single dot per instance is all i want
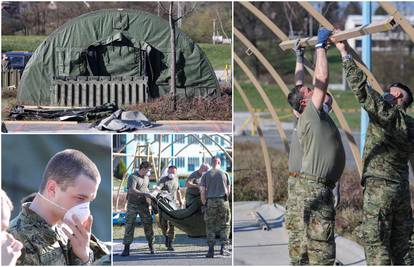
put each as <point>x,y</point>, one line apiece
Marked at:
<point>366,58</point>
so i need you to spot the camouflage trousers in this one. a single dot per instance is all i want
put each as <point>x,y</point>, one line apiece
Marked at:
<point>143,210</point>
<point>388,222</point>
<point>217,218</point>
<point>167,227</point>
<point>310,221</point>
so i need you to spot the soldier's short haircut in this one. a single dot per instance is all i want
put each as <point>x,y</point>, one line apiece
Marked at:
<point>409,100</point>
<point>66,166</point>
<point>294,97</point>
<point>144,165</point>
<point>214,158</point>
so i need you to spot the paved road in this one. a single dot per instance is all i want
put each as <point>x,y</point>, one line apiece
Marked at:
<point>182,127</point>
<point>254,246</point>
<point>190,252</point>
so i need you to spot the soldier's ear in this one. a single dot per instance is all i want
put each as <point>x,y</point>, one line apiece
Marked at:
<point>51,187</point>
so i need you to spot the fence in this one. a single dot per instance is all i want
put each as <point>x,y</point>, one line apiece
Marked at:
<point>97,90</point>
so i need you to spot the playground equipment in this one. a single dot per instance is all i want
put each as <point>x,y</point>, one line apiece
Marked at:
<point>190,220</point>
<point>396,19</point>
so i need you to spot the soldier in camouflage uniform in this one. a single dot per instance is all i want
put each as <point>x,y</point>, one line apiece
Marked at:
<point>70,179</point>
<point>310,217</point>
<point>137,203</point>
<point>215,190</point>
<point>294,212</point>
<point>170,184</point>
<point>388,222</point>
<point>193,184</point>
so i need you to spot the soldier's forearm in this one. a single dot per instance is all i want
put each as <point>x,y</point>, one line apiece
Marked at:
<point>356,79</point>
<point>136,192</point>
<point>299,73</point>
<point>321,70</point>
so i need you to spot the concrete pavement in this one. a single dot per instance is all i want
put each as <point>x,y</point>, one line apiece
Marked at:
<point>254,246</point>
<point>170,127</point>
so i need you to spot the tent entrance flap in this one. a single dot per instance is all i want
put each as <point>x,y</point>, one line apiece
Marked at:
<point>118,55</point>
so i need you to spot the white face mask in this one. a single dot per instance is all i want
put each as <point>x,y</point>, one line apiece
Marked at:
<point>82,210</point>
<point>171,175</point>
<point>148,173</point>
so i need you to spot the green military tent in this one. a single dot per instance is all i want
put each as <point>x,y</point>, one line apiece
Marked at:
<point>116,43</point>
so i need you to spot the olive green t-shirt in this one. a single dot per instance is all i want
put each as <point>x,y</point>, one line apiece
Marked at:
<point>323,152</point>
<point>215,181</point>
<point>295,153</point>
<point>141,186</point>
<point>170,185</point>
<point>194,178</point>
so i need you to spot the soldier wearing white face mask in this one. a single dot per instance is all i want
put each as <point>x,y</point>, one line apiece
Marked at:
<point>170,184</point>
<point>70,182</point>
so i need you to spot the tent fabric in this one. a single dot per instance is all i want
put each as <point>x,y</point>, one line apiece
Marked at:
<point>190,220</point>
<point>117,42</point>
<point>124,121</point>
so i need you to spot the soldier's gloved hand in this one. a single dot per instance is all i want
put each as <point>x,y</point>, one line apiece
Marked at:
<point>323,36</point>
<point>80,237</point>
<point>299,49</point>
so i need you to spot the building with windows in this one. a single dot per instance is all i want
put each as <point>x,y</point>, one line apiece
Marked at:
<point>186,151</point>
<point>381,41</point>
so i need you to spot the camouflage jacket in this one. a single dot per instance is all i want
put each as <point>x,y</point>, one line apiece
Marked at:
<point>42,244</point>
<point>390,134</point>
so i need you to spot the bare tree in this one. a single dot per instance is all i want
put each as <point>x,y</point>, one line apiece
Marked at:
<point>173,18</point>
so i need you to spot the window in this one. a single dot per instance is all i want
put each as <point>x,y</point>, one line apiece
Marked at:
<point>141,137</point>
<point>179,138</point>
<point>222,141</point>
<point>192,139</point>
<point>165,138</point>
<point>180,162</point>
<point>193,164</point>
<point>207,160</point>
<point>206,140</point>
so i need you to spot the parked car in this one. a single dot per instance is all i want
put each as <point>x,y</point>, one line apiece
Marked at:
<point>17,59</point>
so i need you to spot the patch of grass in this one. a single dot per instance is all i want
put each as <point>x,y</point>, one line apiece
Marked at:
<point>21,43</point>
<point>219,55</point>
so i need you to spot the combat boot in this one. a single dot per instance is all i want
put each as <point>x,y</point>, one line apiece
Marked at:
<point>151,248</point>
<point>167,241</point>
<point>126,251</point>
<point>169,246</point>
<point>210,253</point>
<point>224,251</point>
